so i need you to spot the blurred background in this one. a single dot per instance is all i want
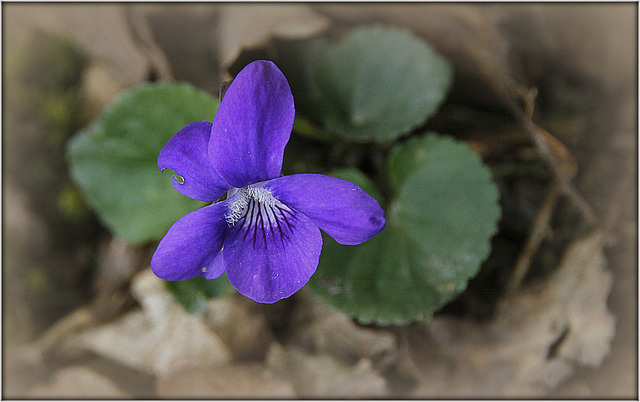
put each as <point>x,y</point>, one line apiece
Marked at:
<point>84,317</point>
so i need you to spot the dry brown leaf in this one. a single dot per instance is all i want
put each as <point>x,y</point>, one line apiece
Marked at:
<point>243,380</point>
<point>245,331</point>
<point>100,30</point>
<point>180,41</point>
<point>323,376</point>
<point>322,329</point>
<point>21,370</point>
<point>534,345</point>
<point>78,382</point>
<point>160,338</point>
<point>593,42</point>
<point>244,26</point>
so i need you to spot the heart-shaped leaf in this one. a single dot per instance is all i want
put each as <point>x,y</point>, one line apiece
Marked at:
<point>439,224</point>
<point>375,85</point>
<point>114,161</point>
<point>192,293</point>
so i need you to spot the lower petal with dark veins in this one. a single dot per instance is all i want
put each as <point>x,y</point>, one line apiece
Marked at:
<point>271,251</point>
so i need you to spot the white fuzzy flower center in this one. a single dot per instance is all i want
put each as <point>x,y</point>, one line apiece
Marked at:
<point>238,208</point>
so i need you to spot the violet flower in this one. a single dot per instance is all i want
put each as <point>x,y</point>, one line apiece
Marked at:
<point>265,234</point>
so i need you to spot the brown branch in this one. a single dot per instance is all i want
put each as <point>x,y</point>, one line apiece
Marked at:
<point>555,154</point>
<point>537,234</point>
<point>562,163</point>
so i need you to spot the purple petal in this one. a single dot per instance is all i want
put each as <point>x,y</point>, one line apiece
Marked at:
<point>271,252</point>
<point>186,153</point>
<point>215,268</point>
<point>337,206</point>
<point>192,245</point>
<point>252,125</point>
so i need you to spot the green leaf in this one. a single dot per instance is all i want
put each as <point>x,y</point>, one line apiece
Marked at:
<point>439,224</point>
<point>191,293</point>
<point>306,129</point>
<point>376,85</point>
<point>114,161</point>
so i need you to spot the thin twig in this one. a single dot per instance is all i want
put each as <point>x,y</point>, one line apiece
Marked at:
<point>560,161</point>
<point>538,232</point>
<point>563,170</point>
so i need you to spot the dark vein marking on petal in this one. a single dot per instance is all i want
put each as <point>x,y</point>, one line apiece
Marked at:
<point>285,218</point>
<point>248,223</point>
<point>255,227</point>
<point>252,209</point>
<point>264,232</point>
<point>272,217</point>
<point>282,234</point>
